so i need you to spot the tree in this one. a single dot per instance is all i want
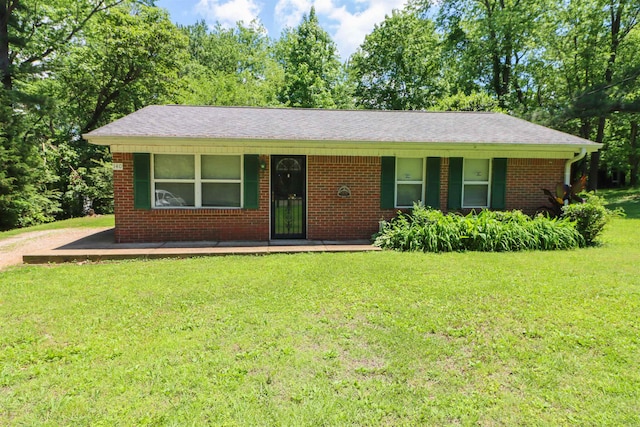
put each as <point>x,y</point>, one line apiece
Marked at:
<point>398,65</point>
<point>476,101</point>
<point>604,54</point>
<point>490,43</point>
<point>313,75</point>
<point>128,57</point>
<point>230,67</point>
<point>32,35</point>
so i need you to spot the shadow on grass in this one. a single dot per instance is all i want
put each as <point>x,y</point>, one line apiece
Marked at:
<point>627,199</point>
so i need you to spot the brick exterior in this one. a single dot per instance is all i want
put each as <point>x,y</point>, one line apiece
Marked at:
<point>330,217</point>
<point>527,177</point>
<point>157,225</point>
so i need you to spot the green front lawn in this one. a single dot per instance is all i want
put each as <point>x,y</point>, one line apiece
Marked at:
<point>82,222</point>
<point>385,338</point>
<point>626,198</point>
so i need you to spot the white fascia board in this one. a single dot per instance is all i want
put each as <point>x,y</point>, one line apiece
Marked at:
<point>341,148</point>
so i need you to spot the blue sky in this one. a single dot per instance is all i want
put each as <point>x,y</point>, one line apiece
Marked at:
<point>348,21</point>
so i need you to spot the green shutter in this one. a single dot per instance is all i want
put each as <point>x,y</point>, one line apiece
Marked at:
<point>251,181</point>
<point>388,183</point>
<point>432,198</point>
<point>455,183</point>
<point>142,181</point>
<point>499,184</point>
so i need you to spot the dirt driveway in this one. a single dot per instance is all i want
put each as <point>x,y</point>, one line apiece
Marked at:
<point>13,248</point>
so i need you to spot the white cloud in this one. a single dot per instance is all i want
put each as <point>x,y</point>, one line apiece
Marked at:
<point>348,21</point>
<point>228,12</point>
<point>288,13</point>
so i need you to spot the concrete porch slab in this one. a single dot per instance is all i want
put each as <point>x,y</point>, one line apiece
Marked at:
<point>101,246</point>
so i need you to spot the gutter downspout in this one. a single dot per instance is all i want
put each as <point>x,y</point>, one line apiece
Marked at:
<point>567,168</point>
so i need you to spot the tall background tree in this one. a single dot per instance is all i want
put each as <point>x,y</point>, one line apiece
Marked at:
<point>32,35</point>
<point>313,74</point>
<point>129,56</point>
<point>571,65</point>
<point>398,66</point>
<point>230,66</point>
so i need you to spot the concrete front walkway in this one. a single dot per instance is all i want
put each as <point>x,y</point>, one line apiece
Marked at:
<point>101,246</point>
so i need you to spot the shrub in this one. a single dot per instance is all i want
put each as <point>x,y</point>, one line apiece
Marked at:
<point>430,230</point>
<point>590,217</point>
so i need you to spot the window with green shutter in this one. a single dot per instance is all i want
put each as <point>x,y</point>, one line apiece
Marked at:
<point>201,181</point>
<point>388,183</point>
<point>251,181</point>
<point>476,176</point>
<point>499,184</point>
<point>455,183</point>
<point>409,181</point>
<point>141,181</point>
<point>432,198</point>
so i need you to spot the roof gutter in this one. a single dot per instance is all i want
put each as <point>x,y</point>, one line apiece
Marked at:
<point>567,165</point>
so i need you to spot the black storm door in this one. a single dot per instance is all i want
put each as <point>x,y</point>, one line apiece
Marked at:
<point>288,202</point>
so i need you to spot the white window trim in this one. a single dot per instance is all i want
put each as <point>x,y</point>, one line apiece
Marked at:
<point>422,186</point>
<point>198,181</point>
<point>487,183</point>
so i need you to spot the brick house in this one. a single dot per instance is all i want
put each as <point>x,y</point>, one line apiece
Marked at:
<point>219,173</point>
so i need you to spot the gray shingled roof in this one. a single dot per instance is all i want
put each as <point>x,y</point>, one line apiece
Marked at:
<point>332,125</point>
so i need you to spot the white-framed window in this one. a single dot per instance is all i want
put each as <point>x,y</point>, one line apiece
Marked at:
<point>198,181</point>
<point>476,177</point>
<point>409,181</point>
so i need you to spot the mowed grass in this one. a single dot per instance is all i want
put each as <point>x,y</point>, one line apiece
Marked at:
<point>385,338</point>
<point>82,222</point>
<point>625,198</point>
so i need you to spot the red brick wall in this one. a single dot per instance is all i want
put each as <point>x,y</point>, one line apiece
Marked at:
<point>444,183</point>
<point>156,225</point>
<point>330,217</point>
<point>526,178</point>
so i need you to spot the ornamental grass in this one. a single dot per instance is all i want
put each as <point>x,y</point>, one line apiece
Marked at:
<point>430,230</point>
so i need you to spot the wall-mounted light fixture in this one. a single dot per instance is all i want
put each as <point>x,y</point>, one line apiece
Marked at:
<point>263,162</point>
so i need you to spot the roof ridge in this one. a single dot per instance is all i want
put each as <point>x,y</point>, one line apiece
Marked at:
<point>355,110</point>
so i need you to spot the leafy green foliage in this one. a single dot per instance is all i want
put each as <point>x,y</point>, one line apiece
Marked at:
<point>52,60</point>
<point>233,66</point>
<point>90,189</point>
<point>398,65</point>
<point>129,58</point>
<point>25,196</point>
<point>475,101</point>
<point>590,217</point>
<point>430,230</point>
<point>313,75</point>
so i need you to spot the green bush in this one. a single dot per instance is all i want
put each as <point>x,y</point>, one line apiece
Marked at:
<point>429,230</point>
<point>590,217</point>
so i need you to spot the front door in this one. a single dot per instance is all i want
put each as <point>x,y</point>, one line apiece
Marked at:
<point>288,202</point>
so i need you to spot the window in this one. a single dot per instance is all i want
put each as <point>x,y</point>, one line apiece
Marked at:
<point>409,181</point>
<point>197,180</point>
<point>475,183</point>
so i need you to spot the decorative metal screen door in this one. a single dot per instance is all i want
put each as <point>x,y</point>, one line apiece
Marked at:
<point>288,204</point>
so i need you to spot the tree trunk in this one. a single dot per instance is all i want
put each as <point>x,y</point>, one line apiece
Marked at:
<point>5,62</point>
<point>594,165</point>
<point>634,155</point>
